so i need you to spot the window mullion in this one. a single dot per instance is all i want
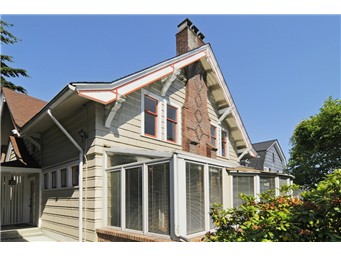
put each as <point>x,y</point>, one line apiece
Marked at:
<point>123,196</point>
<point>145,198</point>
<point>207,197</point>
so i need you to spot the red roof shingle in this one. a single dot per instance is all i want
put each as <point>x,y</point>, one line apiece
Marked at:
<point>22,106</point>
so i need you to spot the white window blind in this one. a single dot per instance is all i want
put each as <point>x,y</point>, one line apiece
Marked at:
<point>215,188</point>
<point>242,185</point>
<point>158,198</point>
<point>267,183</point>
<point>195,198</point>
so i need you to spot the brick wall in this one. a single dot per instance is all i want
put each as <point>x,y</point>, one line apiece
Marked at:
<point>187,40</point>
<point>195,119</point>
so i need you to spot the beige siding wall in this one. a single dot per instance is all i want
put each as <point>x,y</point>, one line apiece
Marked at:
<point>213,114</point>
<point>60,205</point>
<point>126,125</point>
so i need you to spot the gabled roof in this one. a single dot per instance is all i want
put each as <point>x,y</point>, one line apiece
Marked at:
<point>21,106</point>
<point>264,145</point>
<point>23,158</point>
<point>262,148</point>
<point>108,92</point>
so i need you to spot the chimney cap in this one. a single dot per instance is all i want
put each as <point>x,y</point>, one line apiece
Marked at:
<point>185,24</point>
<point>194,29</point>
<point>201,36</point>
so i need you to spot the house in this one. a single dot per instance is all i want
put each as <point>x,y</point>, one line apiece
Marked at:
<point>143,157</point>
<point>271,157</point>
<point>18,166</point>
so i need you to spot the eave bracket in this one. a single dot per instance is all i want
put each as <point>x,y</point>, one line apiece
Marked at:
<point>168,81</point>
<point>112,112</point>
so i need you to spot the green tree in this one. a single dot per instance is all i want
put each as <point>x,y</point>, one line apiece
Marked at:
<point>6,70</point>
<point>316,145</point>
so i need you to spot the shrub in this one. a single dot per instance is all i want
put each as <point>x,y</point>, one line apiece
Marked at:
<point>314,217</point>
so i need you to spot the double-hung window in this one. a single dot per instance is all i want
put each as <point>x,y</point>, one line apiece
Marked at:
<point>75,175</point>
<point>150,116</point>
<point>213,136</point>
<point>224,144</point>
<point>172,123</point>
<point>63,178</point>
<point>54,179</point>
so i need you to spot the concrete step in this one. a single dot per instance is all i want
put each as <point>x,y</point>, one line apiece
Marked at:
<point>15,234</point>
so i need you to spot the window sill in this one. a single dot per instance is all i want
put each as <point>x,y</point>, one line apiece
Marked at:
<point>160,140</point>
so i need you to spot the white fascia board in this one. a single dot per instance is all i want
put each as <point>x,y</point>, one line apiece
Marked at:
<point>139,80</point>
<point>211,58</point>
<point>140,152</point>
<point>11,169</point>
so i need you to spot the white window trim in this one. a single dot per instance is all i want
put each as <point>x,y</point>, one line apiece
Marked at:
<point>179,123</point>
<point>159,114</point>
<point>68,167</point>
<point>145,206</point>
<point>217,134</point>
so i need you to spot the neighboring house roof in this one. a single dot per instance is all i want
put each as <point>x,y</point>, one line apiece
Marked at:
<point>261,148</point>
<point>21,106</point>
<point>23,158</point>
<point>264,145</point>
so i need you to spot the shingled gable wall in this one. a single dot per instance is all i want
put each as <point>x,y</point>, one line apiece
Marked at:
<point>195,119</point>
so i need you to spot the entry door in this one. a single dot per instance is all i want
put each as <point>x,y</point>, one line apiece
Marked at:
<point>12,199</point>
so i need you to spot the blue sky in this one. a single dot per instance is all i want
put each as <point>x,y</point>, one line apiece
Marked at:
<point>279,68</point>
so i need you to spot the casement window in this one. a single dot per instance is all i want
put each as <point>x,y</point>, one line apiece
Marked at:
<point>46,181</point>
<point>172,123</point>
<point>75,175</point>
<point>54,179</point>
<point>195,198</point>
<point>213,136</point>
<point>146,189</point>
<point>63,178</point>
<point>133,201</point>
<point>215,188</point>
<point>158,198</point>
<point>150,116</point>
<point>242,185</point>
<point>267,183</point>
<point>114,199</point>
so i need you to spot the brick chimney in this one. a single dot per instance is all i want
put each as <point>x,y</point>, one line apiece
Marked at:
<point>188,37</point>
<point>196,124</point>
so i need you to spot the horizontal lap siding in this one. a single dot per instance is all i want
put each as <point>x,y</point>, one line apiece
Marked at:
<point>214,116</point>
<point>275,166</point>
<point>56,147</point>
<point>60,206</point>
<point>126,125</point>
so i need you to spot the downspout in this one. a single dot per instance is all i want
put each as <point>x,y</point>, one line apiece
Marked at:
<point>80,177</point>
